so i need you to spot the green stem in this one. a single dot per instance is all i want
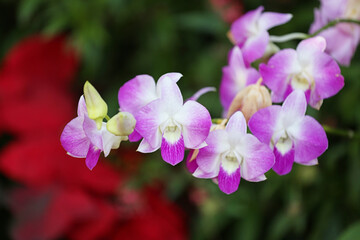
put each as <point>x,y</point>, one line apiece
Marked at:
<point>340,132</point>
<point>107,117</point>
<point>333,23</point>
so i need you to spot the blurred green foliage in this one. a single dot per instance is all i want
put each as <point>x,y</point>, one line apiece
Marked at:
<point>118,39</point>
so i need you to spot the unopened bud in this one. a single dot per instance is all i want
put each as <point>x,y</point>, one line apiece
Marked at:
<point>96,106</point>
<point>250,100</point>
<point>122,124</point>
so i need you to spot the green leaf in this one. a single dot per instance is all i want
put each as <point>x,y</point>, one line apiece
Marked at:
<point>351,233</point>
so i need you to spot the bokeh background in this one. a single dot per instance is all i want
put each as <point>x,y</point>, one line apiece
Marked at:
<point>48,50</point>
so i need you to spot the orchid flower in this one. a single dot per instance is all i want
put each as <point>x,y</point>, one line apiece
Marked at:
<point>232,154</point>
<point>236,76</point>
<point>171,125</point>
<point>307,68</point>
<point>293,136</point>
<point>140,91</point>
<point>250,31</point>
<point>342,39</point>
<point>81,137</point>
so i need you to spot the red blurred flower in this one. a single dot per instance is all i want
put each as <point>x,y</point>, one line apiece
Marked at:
<point>229,10</point>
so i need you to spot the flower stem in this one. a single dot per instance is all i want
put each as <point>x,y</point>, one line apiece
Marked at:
<point>333,23</point>
<point>340,132</point>
<point>107,117</point>
<point>289,37</point>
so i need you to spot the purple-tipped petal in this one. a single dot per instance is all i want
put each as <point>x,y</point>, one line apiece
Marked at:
<point>92,133</point>
<point>258,179</point>
<point>201,174</point>
<point>310,47</point>
<point>310,140</point>
<point>196,122</point>
<point>263,123</point>
<point>258,157</point>
<point>136,93</point>
<point>172,153</point>
<point>201,92</point>
<point>145,147</point>
<point>135,136</point>
<point>73,138</point>
<point>92,156</point>
<point>175,76</point>
<point>269,20</point>
<point>208,158</point>
<point>276,72</point>
<point>191,163</point>
<point>283,163</point>
<point>236,124</point>
<point>170,95</point>
<point>82,110</point>
<point>294,107</point>
<point>255,47</point>
<point>241,27</point>
<point>148,120</point>
<point>327,77</point>
<point>229,183</point>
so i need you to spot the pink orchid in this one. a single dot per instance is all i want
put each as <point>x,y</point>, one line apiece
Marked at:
<point>250,31</point>
<point>342,39</point>
<point>293,136</point>
<point>236,76</point>
<point>82,139</point>
<point>232,154</point>
<point>171,125</point>
<point>307,68</point>
<point>140,91</point>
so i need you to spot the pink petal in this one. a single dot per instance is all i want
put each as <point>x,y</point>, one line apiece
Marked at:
<point>283,163</point>
<point>254,48</point>
<point>208,158</point>
<point>201,174</point>
<point>309,47</point>
<point>175,76</point>
<point>92,156</point>
<point>136,93</point>
<point>170,95</point>
<point>294,107</point>
<point>262,124</point>
<point>327,77</point>
<point>258,157</point>
<point>196,122</point>
<point>73,138</point>
<point>172,153</point>
<point>229,183</point>
<point>149,118</point>
<point>269,20</point>
<point>145,147</point>
<point>201,92</point>
<point>277,71</point>
<point>191,166</point>
<point>82,110</point>
<point>236,124</point>
<point>240,28</point>
<point>135,136</point>
<point>92,133</point>
<point>258,179</point>
<point>310,139</point>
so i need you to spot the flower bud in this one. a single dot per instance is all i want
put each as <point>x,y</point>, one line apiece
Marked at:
<point>96,106</point>
<point>250,99</point>
<point>122,124</point>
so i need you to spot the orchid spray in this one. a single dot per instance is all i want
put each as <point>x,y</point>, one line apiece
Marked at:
<point>254,135</point>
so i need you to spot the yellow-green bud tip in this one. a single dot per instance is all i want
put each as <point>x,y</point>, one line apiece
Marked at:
<point>96,106</point>
<point>122,124</point>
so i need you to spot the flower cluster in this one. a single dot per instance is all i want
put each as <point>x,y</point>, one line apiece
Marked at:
<point>54,196</point>
<point>226,150</point>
